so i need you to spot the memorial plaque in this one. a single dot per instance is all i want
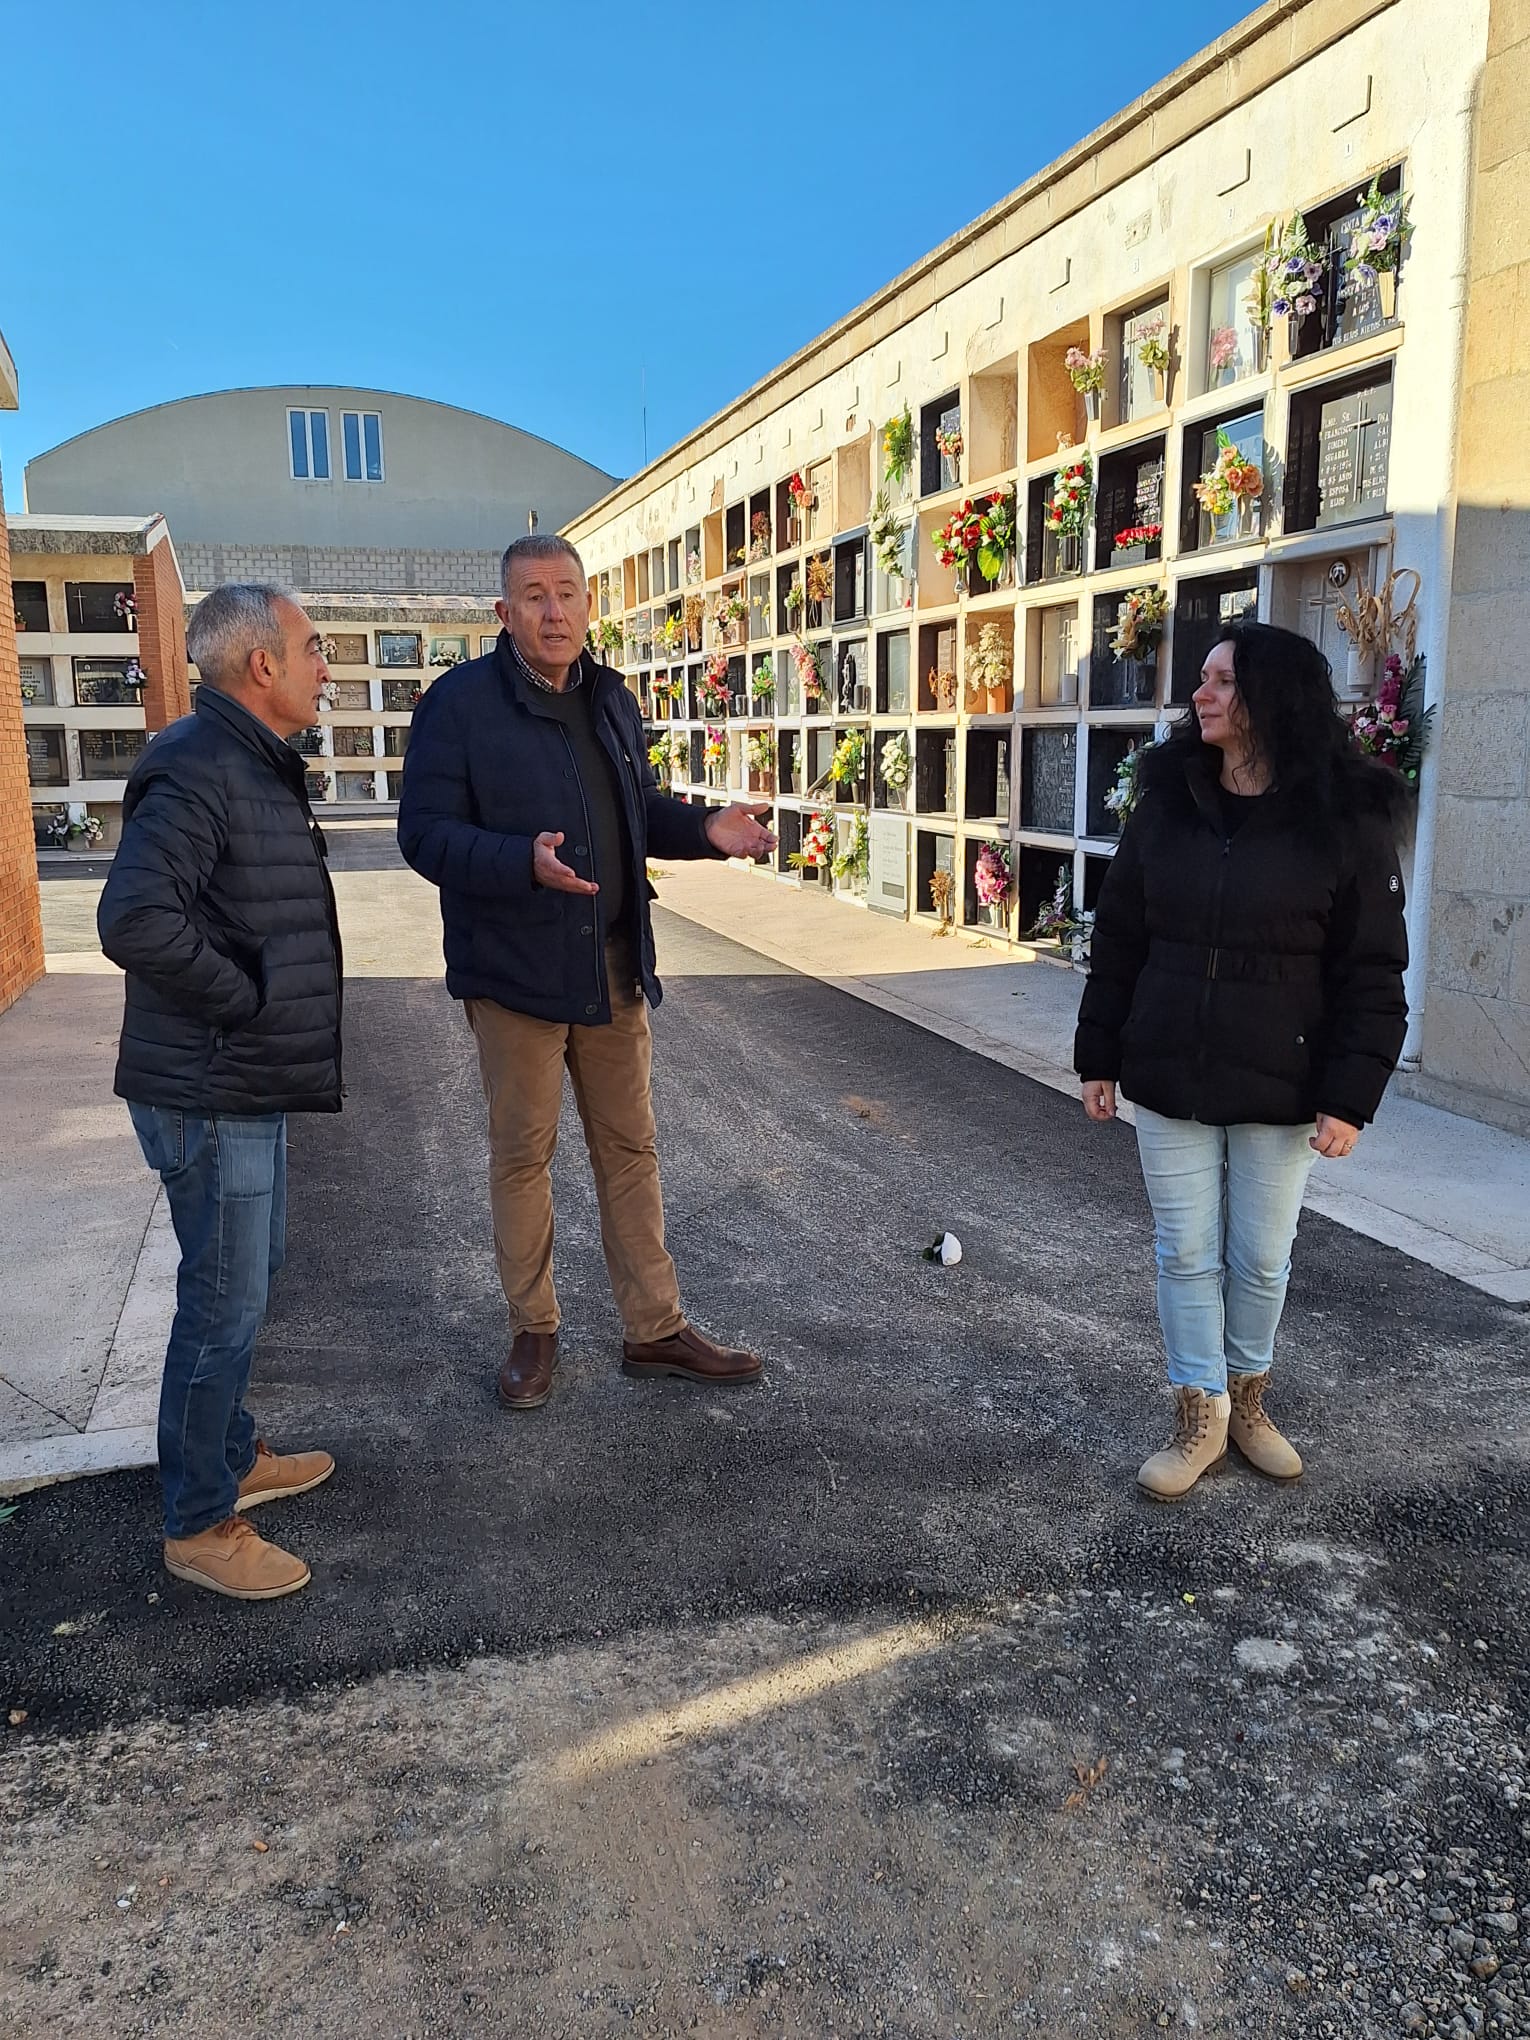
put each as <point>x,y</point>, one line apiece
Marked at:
<point>1046,780</point>
<point>1354,445</point>
<point>1354,307</point>
<point>893,653</point>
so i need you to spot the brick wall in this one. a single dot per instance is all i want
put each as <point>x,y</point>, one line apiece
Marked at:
<point>161,637</point>
<point>21,947</point>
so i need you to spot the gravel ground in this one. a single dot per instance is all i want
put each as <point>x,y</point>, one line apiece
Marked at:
<point>870,1701</point>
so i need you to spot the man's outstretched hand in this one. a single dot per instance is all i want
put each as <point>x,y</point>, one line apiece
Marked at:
<point>548,869</point>
<point>735,832</point>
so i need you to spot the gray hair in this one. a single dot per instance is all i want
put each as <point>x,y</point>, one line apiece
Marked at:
<point>236,619</point>
<point>538,547</point>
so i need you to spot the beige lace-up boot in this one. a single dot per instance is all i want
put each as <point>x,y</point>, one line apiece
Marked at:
<point>1254,1435</point>
<point>1199,1443</point>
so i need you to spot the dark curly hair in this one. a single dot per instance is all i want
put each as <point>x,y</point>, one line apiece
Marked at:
<point>1286,687</point>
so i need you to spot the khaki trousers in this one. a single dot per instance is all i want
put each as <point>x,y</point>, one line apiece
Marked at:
<point>521,1061</point>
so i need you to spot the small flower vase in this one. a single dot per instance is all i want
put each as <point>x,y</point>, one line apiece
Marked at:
<point>1359,673</point>
<point>1067,552</point>
<point>1283,338</point>
<point>1259,348</point>
<point>1246,508</point>
<point>1386,290</point>
<point>999,699</point>
<point>1092,405</point>
<point>1160,385</point>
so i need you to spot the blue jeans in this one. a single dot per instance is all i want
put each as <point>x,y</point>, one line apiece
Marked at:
<point>226,1181</point>
<point>1225,1200</point>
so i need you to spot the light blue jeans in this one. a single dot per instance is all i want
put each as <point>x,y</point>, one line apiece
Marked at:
<point>1225,1201</point>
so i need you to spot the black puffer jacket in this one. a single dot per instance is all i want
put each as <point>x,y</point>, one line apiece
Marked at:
<point>220,910</point>
<point>488,769</point>
<point>1255,979</point>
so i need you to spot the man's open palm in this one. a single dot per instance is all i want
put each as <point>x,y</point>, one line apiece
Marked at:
<point>735,832</point>
<point>549,870</point>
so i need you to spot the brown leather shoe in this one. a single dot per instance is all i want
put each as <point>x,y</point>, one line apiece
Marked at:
<point>693,1358</point>
<point>526,1378</point>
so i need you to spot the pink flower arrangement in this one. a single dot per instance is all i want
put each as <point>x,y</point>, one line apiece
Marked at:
<point>1223,351</point>
<point>1086,370</point>
<point>805,659</point>
<point>1395,726</point>
<point>992,877</point>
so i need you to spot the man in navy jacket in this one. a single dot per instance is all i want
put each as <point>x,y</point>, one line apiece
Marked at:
<point>529,801</point>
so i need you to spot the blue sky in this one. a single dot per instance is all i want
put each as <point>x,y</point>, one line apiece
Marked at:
<point>525,211</point>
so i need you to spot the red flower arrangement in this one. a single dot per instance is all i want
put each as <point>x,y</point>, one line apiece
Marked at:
<point>983,529</point>
<point>1138,534</point>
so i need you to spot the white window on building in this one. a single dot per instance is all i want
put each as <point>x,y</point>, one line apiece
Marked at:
<point>308,441</point>
<point>361,434</point>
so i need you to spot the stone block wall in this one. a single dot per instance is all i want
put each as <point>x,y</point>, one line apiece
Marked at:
<point>1476,1036</point>
<point>21,944</point>
<point>343,570</point>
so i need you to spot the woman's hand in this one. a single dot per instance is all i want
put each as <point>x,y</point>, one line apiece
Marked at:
<point>1334,1138</point>
<point>1100,1099</point>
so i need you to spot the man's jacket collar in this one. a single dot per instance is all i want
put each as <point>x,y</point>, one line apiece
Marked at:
<point>596,677</point>
<point>219,707</point>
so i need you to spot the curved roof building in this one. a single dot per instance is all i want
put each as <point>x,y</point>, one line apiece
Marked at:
<point>331,488</point>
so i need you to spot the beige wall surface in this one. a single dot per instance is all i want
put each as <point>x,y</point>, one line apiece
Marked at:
<point>1477,1018</point>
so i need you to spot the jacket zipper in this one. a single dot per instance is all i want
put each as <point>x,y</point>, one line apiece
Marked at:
<point>314,839</point>
<point>1204,1045</point>
<point>600,947</point>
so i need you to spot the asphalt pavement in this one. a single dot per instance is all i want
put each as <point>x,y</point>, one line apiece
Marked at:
<point>946,1434</point>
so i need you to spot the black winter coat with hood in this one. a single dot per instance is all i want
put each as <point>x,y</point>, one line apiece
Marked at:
<point>220,910</point>
<point>1253,977</point>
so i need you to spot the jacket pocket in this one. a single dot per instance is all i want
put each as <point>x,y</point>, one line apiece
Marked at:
<point>523,945</point>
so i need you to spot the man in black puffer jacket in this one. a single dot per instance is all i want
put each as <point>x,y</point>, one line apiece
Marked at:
<point>220,910</point>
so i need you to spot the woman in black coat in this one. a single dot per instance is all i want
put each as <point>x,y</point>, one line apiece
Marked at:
<point>1245,992</point>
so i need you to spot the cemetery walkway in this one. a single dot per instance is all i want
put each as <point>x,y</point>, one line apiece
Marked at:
<point>872,1699</point>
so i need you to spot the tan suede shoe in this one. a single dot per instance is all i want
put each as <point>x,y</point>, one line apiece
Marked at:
<point>282,1473</point>
<point>1250,1429</point>
<point>231,1559</point>
<point>1199,1443</point>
